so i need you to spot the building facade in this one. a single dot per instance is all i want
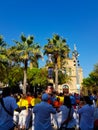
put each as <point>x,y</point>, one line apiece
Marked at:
<point>76,75</point>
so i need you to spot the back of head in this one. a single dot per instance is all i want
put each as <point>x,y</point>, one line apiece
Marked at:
<point>35,95</point>
<point>88,100</point>
<point>45,97</point>
<point>6,91</point>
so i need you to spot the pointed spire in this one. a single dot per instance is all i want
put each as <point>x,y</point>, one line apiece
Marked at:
<point>75,52</point>
<point>75,47</point>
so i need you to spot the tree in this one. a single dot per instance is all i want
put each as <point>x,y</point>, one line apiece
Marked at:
<point>92,79</point>
<point>37,78</point>
<point>3,59</point>
<point>63,78</point>
<point>59,51</point>
<point>3,45</point>
<point>25,52</point>
<point>15,75</point>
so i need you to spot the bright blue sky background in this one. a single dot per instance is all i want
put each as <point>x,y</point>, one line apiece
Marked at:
<point>74,20</point>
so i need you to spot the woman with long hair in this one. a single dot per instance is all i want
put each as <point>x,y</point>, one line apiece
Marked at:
<point>67,122</point>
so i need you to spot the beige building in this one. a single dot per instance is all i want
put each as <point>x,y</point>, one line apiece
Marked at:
<point>75,72</point>
<point>76,75</point>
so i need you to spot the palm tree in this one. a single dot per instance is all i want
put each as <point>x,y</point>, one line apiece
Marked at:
<point>3,58</point>
<point>25,52</point>
<point>3,45</point>
<point>36,56</point>
<point>59,50</point>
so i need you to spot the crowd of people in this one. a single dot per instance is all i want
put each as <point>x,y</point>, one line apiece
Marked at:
<point>48,110</point>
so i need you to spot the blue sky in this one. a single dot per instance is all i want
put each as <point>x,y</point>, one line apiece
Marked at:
<point>74,20</point>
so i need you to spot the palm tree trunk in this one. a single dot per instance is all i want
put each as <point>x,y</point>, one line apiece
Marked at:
<point>25,77</point>
<point>56,77</point>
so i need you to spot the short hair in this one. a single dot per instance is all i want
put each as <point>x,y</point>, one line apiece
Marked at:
<point>49,85</point>
<point>6,91</point>
<point>88,100</point>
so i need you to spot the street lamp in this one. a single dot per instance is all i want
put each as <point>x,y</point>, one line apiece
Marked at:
<point>76,63</point>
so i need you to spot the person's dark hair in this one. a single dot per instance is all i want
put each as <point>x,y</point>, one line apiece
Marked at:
<point>49,84</point>
<point>28,94</point>
<point>60,94</point>
<point>67,101</point>
<point>35,95</point>
<point>6,91</point>
<point>88,100</point>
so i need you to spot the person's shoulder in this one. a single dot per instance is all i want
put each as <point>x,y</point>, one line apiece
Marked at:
<point>63,107</point>
<point>50,105</point>
<point>84,107</point>
<point>38,105</point>
<point>11,98</point>
<point>8,98</point>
